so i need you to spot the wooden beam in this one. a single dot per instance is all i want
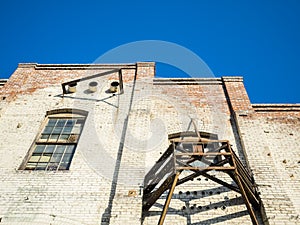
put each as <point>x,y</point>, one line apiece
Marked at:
<point>205,168</point>
<point>246,200</point>
<point>203,153</point>
<point>168,200</point>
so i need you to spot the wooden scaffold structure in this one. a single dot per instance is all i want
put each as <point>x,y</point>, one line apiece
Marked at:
<point>199,156</point>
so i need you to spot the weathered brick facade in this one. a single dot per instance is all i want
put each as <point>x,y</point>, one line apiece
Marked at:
<point>126,133</point>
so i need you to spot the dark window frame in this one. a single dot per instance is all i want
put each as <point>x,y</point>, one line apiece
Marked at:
<point>55,155</point>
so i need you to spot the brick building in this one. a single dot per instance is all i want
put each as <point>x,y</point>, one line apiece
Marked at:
<point>97,144</point>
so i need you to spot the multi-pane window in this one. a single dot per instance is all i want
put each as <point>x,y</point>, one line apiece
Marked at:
<point>55,146</point>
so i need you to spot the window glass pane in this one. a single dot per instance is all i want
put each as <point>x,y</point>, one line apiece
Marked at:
<point>70,148</point>
<point>63,166</point>
<point>34,158</point>
<point>57,130</point>
<point>70,123</point>
<point>80,122</point>
<point>76,129</point>
<point>30,166</point>
<point>64,137</point>
<point>56,158</point>
<point>41,166</point>
<point>51,122</point>
<point>67,130</point>
<point>49,149</point>
<point>47,130</point>
<point>45,158</point>
<point>52,166</point>
<point>44,137</point>
<point>53,137</point>
<point>39,148</point>
<point>60,149</point>
<point>61,122</point>
<point>66,158</point>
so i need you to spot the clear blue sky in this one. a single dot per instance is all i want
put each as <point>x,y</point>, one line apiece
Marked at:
<point>258,39</point>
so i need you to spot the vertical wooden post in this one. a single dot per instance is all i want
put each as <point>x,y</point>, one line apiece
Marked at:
<point>168,200</point>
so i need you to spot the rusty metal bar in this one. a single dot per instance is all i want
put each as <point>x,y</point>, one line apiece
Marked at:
<point>168,200</point>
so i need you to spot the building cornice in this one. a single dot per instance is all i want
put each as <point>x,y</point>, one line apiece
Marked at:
<point>37,66</point>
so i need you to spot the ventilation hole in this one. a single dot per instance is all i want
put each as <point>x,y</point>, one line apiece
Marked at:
<point>223,207</point>
<point>183,208</point>
<point>198,179</point>
<point>218,192</point>
<point>192,207</point>
<point>291,134</point>
<point>180,192</point>
<point>199,207</point>
<point>206,179</point>
<point>226,198</point>
<point>203,192</point>
<point>216,207</point>
<point>187,193</point>
<point>3,98</point>
<point>207,207</point>
<point>195,192</point>
<point>210,192</point>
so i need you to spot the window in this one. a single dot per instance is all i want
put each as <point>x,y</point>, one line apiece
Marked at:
<point>54,147</point>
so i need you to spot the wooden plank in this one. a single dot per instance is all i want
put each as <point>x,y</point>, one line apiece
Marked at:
<point>203,153</point>
<point>151,184</point>
<point>158,164</point>
<point>205,174</point>
<point>151,198</point>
